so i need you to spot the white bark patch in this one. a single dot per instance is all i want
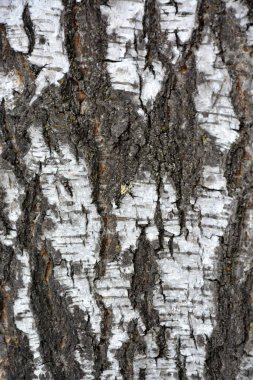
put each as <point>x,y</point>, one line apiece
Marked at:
<point>127,53</point>
<point>186,304</point>
<point>24,319</point>
<point>12,209</point>
<point>50,54</point>
<point>76,229</point>
<point>215,111</point>
<point>177,20</point>
<point>49,51</point>
<point>8,83</point>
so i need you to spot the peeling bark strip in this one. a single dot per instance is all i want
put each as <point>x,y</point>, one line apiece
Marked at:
<point>126,211</point>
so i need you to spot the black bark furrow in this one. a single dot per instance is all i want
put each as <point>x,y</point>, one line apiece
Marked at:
<point>29,28</point>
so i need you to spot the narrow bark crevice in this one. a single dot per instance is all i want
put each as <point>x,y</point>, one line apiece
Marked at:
<point>161,340</point>
<point>129,349</point>
<point>31,205</point>
<point>143,281</point>
<point>16,356</point>
<point>141,293</point>
<point>180,362</point>
<point>5,223</point>
<point>158,213</point>
<point>142,374</point>
<point>101,348</point>
<point>10,143</point>
<point>29,28</point>
<point>151,30</point>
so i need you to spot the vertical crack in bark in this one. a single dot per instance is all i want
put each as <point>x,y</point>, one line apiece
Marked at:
<point>16,356</point>
<point>181,362</point>
<point>129,349</point>
<point>158,213</point>
<point>29,28</point>
<point>101,348</point>
<point>8,141</point>
<point>151,30</point>
<point>143,281</point>
<point>31,206</point>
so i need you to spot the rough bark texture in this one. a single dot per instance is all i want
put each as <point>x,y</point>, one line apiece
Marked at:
<point>126,183</point>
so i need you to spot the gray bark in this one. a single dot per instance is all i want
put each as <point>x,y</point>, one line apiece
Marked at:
<point>126,210</point>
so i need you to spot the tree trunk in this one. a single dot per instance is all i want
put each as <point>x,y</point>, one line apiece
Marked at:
<point>126,211</point>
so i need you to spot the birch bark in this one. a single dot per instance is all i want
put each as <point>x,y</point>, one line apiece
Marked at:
<point>126,210</point>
